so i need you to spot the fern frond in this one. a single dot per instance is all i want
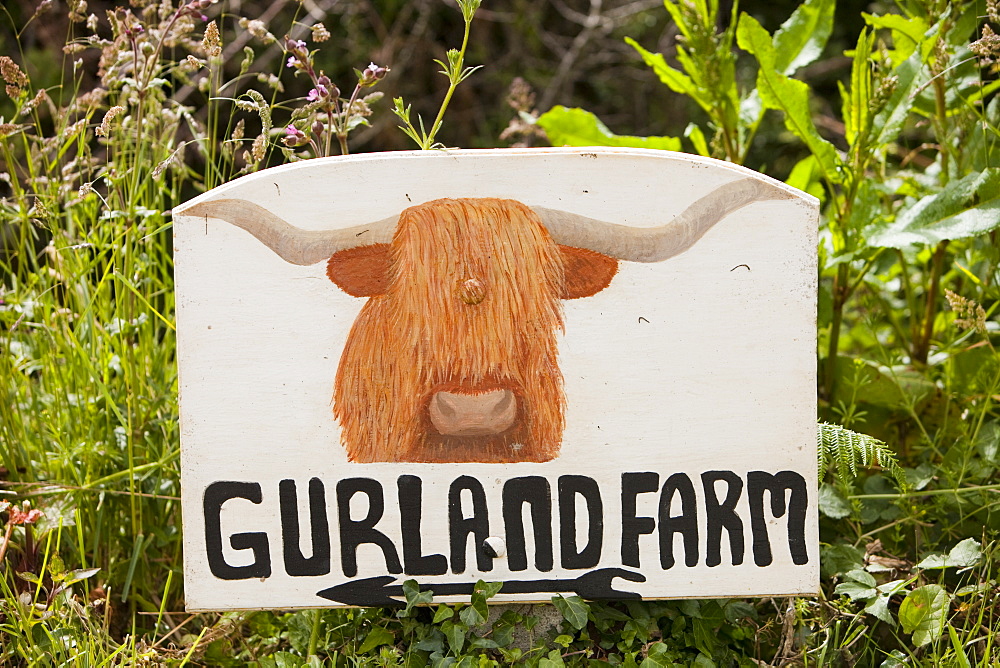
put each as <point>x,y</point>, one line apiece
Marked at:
<point>847,450</point>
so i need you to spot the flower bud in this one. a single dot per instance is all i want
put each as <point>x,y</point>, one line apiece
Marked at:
<point>294,137</point>
<point>372,74</point>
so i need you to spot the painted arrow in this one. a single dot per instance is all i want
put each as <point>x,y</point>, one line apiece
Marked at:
<point>595,585</point>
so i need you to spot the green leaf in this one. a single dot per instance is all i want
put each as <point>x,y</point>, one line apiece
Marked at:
<point>578,127</point>
<point>800,40</point>
<point>573,610</point>
<point>855,590</point>
<point>888,122</point>
<point>475,613</point>
<point>922,613</point>
<point>697,137</point>
<point>443,612</point>
<point>489,589</point>
<point>656,657</point>
<point>673,78</point>
<point>832,503</point>
<point>862,576</point>
<point>857,103</point>
<point>80,574</point>
<point>965,208</point>
<point>907,33</point>
<point>958,647</point>
<point>857,584</point>
<point>895,659</point>
<point>455,634</point>
<point>847,450</point>
<point>754,39</point>
<point>376,637</point>
<point>879,607</point>
<point>964,555</point>
<point>411,589</point>
<point>553,660</point>
<point>790,96</point>
<point>704,635</point>
<point>894,587</point>
<point>836,559</point>
<point>806,177</point>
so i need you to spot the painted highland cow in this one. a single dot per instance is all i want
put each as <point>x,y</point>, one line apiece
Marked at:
<point>454,356</point>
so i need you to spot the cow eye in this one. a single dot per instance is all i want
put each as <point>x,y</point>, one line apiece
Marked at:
<point>472,291</point>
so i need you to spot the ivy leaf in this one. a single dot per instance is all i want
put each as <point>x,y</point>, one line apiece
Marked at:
<point>965,208</point>
<point>800,40</point>
<point>657,657</point>
<point>922,613</point>
<point>553,660</point>
<point>475,613</point>
<point>573,610</point>
<point>411,589</point>
<point>578,127</point>
<point>443,612</point>
<point>455,634</point>
<point>489,589</point>
<point>376,637</point>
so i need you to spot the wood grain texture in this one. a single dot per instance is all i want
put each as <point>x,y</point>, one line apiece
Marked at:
<point>689,387</point>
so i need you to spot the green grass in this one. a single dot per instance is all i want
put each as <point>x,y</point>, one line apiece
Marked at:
<point>88,384</point>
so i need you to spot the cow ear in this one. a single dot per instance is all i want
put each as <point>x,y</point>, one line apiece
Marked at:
<point>362,271</point>
<point>587,272</point>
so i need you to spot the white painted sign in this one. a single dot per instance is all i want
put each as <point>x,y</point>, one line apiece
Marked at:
<point>585,371</point>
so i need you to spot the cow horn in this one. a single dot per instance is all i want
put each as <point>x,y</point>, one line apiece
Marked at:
<point>653,244</point>
<point>293,244</point>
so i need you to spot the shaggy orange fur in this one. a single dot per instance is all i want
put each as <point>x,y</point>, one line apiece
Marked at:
<point>422,336</point>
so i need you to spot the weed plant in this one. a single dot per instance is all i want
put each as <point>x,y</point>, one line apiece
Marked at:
<point>909,444</point>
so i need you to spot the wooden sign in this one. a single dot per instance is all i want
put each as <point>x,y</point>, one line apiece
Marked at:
<point>574,371</point>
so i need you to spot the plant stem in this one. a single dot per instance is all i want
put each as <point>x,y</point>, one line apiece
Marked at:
<point>453,81</point>
<point>314,635</point>
<point>933,492</point>
<point>921,347</point>
<point>840,294</point>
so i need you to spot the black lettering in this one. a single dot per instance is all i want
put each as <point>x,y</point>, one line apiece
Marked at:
<point>535,491</point>
<point>217,494</point>
<point>719,516</point>
<point>460,527</point>
<point>356,532</point>
<point>410,510</point>
<point>288,506</point>
<point>775,485</point>
<point>685,524</point>
<point>634,484</point>
<point>590,555</point>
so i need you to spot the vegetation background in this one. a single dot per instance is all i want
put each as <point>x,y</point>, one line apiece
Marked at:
<point>115,112</point>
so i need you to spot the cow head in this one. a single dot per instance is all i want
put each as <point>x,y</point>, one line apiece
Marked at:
<point>454,356</point>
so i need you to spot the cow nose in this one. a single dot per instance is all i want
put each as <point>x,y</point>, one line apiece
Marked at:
<point>472,291</point>
<point>485,414</point>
